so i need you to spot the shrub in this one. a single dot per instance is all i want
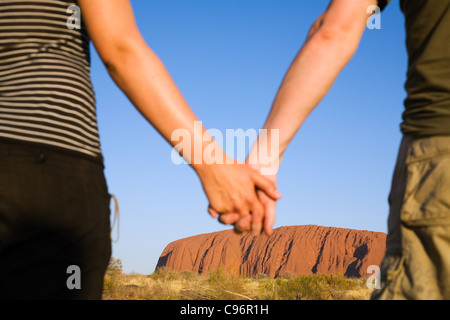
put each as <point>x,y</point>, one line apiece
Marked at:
<point>306,287</point>
<point>165,274</point>
<point>226,285</point>
<point>166,284</point>
<point>261,276</point>
<point>115,266</point>
<point>113,273</point>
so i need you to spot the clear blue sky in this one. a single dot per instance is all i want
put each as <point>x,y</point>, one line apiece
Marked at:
<point>228,58</point>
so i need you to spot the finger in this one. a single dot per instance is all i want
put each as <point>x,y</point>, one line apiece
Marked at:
<point>266,185</point>
<point>257,217</point>
<point>213,213</point>
<point>229,218</point>
<point>269,212</point>
<point>269,218</point>
<point>244,224</point>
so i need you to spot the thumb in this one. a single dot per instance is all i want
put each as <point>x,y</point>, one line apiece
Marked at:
<point>213,213</point>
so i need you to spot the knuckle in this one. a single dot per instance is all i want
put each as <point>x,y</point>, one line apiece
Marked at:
<point>248,198</point>
<point>238,206</point>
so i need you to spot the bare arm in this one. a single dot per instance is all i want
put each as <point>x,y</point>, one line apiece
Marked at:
<point>141,75</point>
<point>134,67</point>
<point>330,45</point>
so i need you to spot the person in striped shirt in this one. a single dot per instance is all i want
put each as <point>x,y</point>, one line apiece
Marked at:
<point>54,200</point>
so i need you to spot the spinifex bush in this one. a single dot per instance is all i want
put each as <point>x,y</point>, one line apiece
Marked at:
<point>228,286</point>
<point>307,287</point>
<point>166,284</point>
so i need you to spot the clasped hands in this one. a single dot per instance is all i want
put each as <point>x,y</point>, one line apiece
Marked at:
<point>239,195</point>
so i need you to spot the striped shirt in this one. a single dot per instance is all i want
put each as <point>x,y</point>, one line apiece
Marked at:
<point>46,94</point>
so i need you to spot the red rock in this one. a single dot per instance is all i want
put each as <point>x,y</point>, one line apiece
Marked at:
<point>296,250</point>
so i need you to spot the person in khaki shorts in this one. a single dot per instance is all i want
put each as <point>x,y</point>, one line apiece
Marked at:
<point>417,260</point>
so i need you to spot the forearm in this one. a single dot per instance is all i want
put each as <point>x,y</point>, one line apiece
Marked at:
<point>141,75</point>
<point>307,81</point>
<point>309,78</point>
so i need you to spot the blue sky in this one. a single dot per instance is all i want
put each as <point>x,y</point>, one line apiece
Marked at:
<point>228,58</point>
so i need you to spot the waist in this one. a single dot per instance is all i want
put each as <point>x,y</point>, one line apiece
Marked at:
<point>34,153</point>
<point>424,117</point>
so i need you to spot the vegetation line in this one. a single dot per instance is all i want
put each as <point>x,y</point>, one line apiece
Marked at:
<point>165,284</point>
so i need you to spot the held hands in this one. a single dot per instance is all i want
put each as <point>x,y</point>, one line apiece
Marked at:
<point>239,195</point>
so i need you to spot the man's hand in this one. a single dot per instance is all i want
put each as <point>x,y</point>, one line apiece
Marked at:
<point>270,205</point>
<point>255,223</point>
<point>258,221</point>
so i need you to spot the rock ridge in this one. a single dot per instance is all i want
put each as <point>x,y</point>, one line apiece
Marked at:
<point>296,250</point>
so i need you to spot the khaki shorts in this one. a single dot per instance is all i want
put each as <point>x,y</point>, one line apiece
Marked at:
<point>417,260</point>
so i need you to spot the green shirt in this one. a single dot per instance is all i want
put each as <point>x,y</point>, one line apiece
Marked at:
<point>427,105</point>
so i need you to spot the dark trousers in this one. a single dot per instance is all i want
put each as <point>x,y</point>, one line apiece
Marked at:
<point>54,224</point>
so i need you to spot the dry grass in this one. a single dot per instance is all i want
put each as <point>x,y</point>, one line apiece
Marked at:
<point>171,285</point>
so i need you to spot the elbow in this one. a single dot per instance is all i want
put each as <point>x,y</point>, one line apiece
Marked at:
<point>115,57</point>
<point>331,33</point>
<point>111,66</point>
<point>338,40</point>
<point>119,54</point>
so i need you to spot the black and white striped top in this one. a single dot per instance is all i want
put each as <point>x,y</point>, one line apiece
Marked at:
<point>46,94</point>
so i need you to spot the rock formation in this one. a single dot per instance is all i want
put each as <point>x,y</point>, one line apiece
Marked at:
<point>294,250</point>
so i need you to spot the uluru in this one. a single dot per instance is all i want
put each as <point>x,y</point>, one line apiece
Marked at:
<point>295,250</point>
